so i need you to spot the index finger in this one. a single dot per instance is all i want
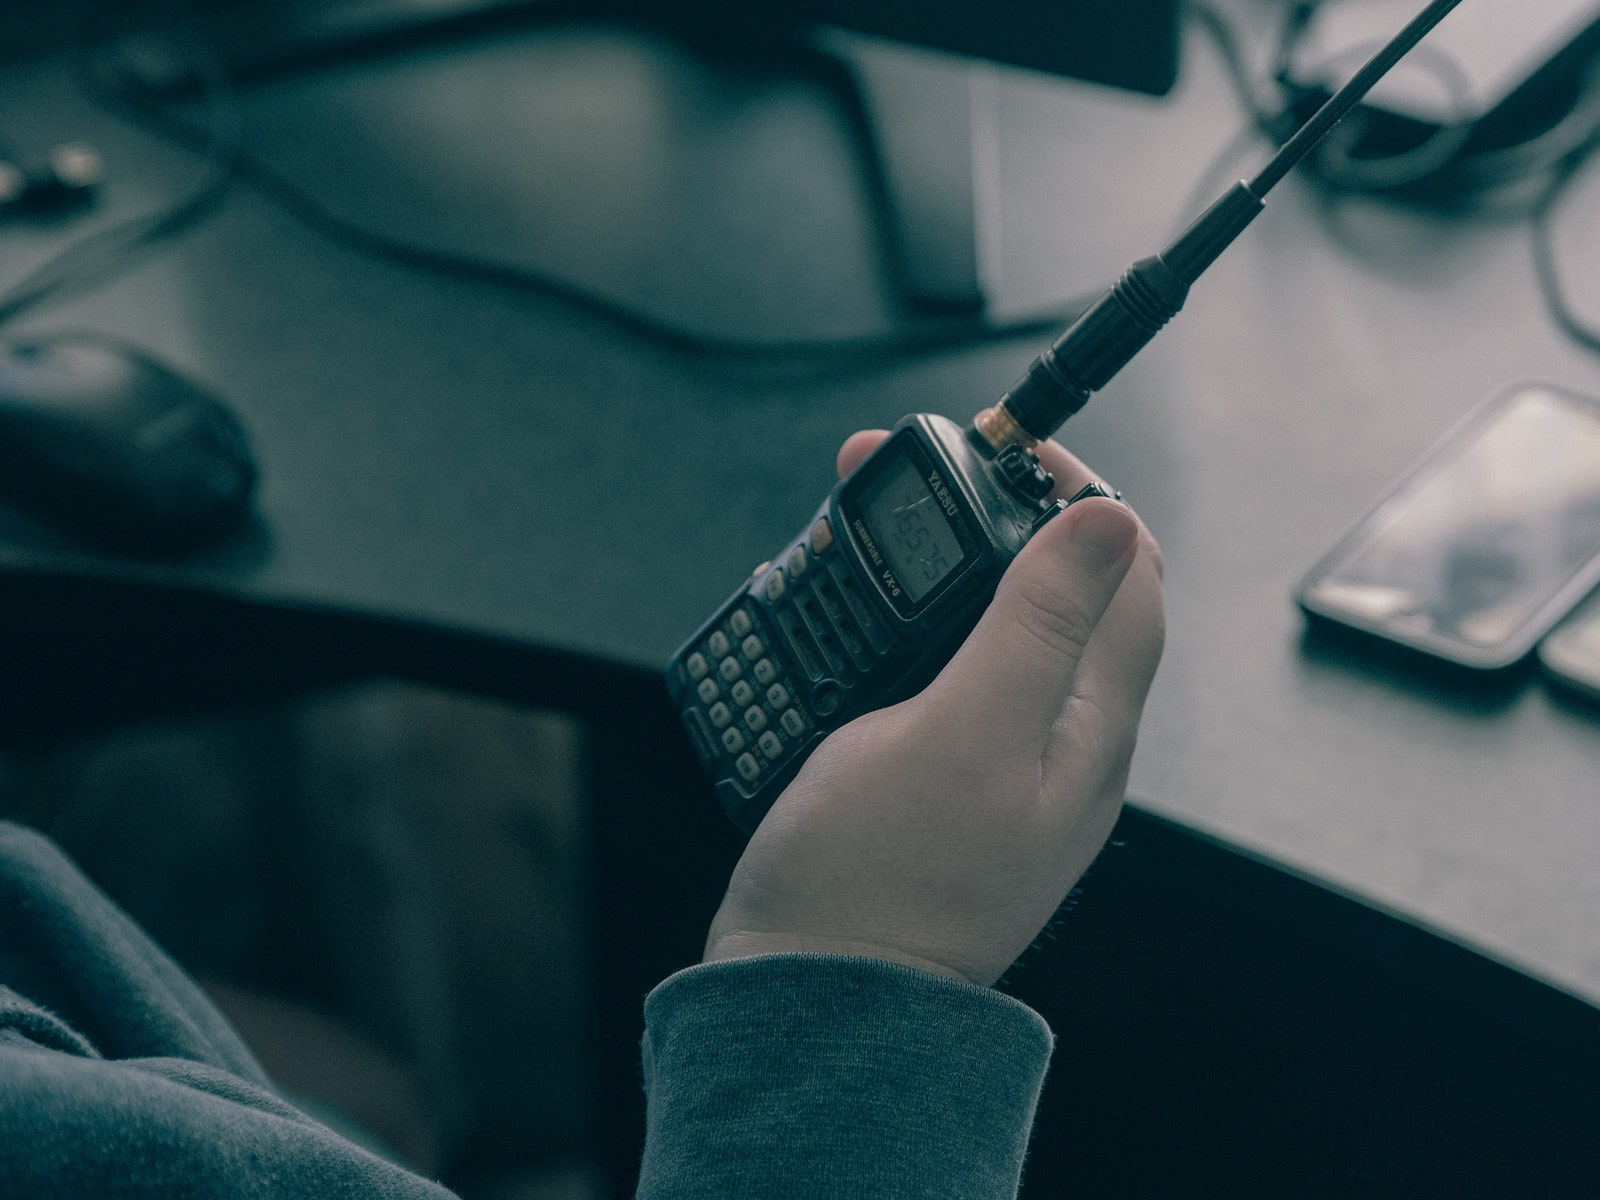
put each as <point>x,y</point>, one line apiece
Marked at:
<point>856,448</point>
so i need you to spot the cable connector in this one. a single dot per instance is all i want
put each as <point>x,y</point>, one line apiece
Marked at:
<point>1121,323</point>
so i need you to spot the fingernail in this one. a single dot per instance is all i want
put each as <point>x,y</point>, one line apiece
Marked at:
<point>1105,529</point>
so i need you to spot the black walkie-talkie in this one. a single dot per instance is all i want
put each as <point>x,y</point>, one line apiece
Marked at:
<point>859,611</point>
<point>866,606</point>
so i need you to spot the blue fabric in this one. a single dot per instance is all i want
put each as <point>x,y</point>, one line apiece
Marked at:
<point>787,1075</point>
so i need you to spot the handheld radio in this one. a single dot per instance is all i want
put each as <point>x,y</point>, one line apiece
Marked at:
<point>875,595</point>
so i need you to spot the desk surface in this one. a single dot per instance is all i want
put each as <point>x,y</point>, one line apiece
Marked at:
<point>471,458</point>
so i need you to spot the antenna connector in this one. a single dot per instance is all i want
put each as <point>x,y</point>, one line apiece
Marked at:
<point>1121,323</point>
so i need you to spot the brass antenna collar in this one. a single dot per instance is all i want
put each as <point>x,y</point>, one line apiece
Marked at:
<point>1000,429</point>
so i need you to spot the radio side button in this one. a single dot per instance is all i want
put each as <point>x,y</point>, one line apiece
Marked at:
<point>797,562</point>
<point>826,698</point>
<point>821,536</point>
<point>775,585</point>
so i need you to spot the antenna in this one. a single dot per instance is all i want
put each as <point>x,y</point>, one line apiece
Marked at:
<point>1152,291</point>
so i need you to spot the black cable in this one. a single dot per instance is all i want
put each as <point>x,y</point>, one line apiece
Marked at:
<point>1546,269</point>
<point>1339,164</point>
<point>1270,122</point>
<point>106,251</point>
<point>931,335</point>
<point>1273,122</point>
<point>216,139</point>
<point>1130,313</point>
<point>1295,24</point>
<point>1347,97</point>
<point>1451,171</point>
<point>226,159</point>
<point>1335,161</point>
<point>1552,151</point>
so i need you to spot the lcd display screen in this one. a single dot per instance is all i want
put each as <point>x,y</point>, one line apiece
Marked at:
<point>912,531</point>
<point>1484,536</point>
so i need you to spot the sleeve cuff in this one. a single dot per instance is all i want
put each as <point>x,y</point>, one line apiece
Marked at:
<point>824,1075</point>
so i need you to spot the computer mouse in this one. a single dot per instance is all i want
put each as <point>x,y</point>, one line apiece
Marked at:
<point>117,449</point>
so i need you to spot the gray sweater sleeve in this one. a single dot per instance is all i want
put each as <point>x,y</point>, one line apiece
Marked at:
<point>119,1079</point>
<point>789,1075</point>
<point>822,1076</point>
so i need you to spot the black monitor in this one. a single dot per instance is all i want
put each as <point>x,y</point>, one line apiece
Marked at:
<point>1125,43</point>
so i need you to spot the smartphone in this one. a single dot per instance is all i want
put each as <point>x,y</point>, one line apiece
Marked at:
<point>1485,543</point>
<point>1572,651</point>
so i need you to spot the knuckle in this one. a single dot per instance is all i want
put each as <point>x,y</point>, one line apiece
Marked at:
<point>1095,751</point>
<point>1059,625</point>
<point>1112,728</point>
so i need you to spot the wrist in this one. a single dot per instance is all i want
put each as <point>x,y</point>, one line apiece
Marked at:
<point>745,944</point>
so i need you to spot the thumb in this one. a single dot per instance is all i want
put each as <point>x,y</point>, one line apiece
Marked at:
<point>1012,678</point>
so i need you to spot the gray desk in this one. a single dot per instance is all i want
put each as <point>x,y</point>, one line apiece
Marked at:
<point>464,458</point>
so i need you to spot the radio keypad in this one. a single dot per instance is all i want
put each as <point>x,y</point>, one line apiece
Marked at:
<point>745,696</point>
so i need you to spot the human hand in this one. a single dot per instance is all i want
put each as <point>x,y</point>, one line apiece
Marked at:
<point>943,832</point>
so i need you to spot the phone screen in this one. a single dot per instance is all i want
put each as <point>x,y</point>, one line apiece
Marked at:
<point>1486,543</point>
